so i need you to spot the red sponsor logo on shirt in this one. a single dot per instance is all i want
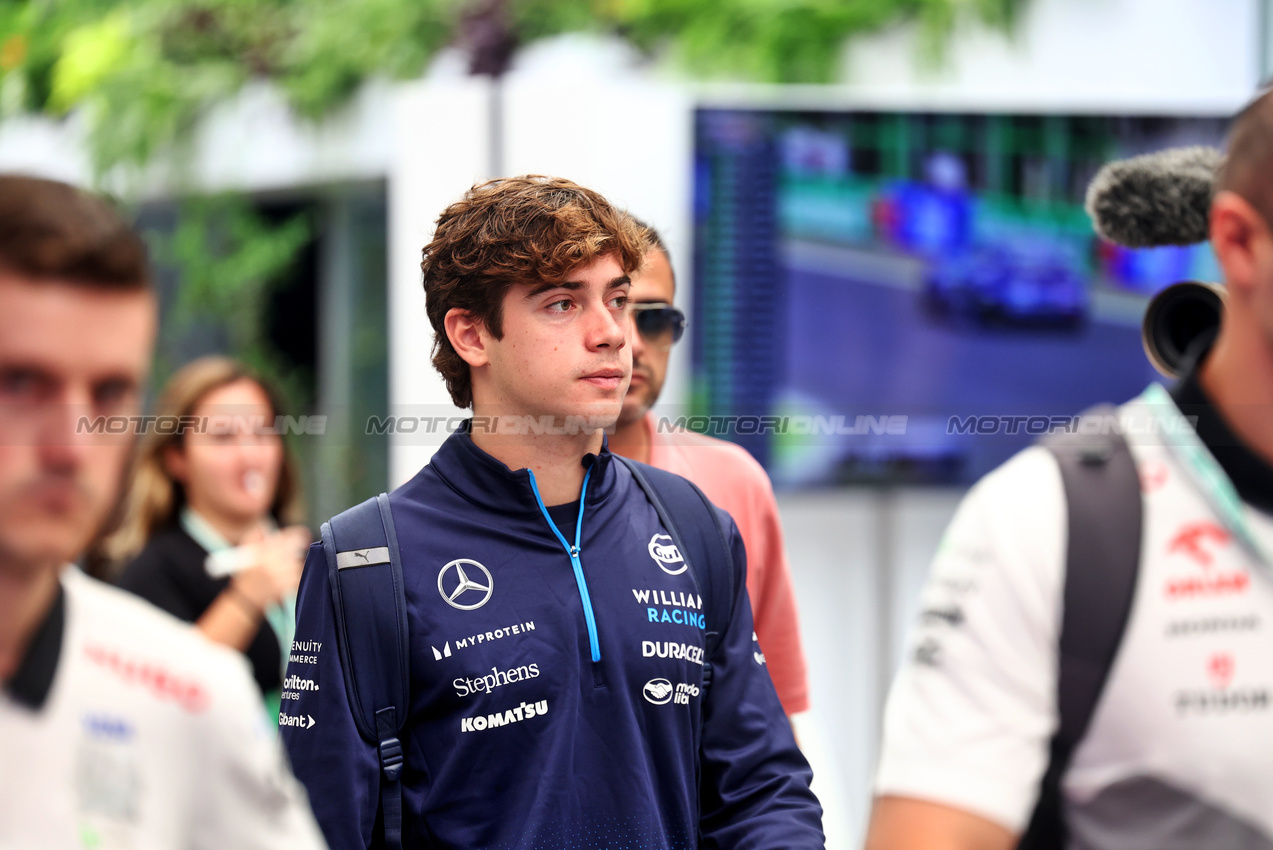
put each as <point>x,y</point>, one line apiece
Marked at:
<point>1189,541</point>
<point>1214,584</point>
<point>160,682</point>
<point>1198,542</point>
<point>1220,669</point>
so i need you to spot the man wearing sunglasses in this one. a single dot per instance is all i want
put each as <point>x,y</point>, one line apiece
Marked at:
<point>730,477</point>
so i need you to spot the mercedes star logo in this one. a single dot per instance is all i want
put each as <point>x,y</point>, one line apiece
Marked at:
<point>461,586</point>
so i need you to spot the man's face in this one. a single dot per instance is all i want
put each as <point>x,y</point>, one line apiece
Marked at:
<point>564,351</point>
<point>1262,290</point>
<point>66,352</point>
<point>654,284</point>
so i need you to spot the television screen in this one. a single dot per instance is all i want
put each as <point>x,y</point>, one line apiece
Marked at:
<point>894,297</point>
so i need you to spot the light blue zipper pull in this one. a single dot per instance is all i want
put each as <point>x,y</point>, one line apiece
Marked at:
<point>573,552</point>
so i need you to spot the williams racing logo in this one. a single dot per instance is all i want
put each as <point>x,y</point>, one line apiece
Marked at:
<point>664,552</point>
<point>671,606</point>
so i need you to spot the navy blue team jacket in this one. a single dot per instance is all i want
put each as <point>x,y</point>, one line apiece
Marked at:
<point>556,702</point>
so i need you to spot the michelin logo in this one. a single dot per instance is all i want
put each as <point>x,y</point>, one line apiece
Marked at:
<point>525,711</point>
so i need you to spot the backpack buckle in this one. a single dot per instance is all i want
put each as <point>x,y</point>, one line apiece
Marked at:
<point>391,758</point>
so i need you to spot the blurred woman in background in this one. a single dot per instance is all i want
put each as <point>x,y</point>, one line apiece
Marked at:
<point>210,531</point>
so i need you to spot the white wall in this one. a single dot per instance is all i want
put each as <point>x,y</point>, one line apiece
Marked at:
<point>1138,56</point>
<point>858,558</point>
<point>251,143</point>
<point>440,148</point>
<point>1125,54</point>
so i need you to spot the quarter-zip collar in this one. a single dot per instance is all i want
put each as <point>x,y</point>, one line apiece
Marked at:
<point>489,483</point>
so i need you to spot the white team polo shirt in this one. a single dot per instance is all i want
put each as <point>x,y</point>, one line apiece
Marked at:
<point>1178,751</point>
<point>149,736</point>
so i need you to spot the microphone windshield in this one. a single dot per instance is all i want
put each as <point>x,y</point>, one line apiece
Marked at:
<point>1156,199</point>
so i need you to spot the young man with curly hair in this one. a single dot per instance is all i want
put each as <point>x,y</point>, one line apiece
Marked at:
<point>557,642</point>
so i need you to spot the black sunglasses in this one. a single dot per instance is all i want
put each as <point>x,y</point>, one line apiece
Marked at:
<point>658,323</point>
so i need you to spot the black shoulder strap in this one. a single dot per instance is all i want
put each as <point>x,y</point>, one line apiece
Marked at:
<point>365,571</point>
<point>701,540</point>
<point>1105,515</point>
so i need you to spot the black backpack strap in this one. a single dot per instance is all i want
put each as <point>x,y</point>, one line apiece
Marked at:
<point>1105,510</point>
<point>700,538</point>
<point>365,571</point>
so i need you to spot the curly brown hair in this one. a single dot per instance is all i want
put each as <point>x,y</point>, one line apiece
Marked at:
<point>529,229</point>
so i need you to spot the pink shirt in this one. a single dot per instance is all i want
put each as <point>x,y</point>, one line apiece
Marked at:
<point>737,484</point>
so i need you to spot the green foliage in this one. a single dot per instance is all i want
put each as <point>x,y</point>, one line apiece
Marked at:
<point>148,69</point>
<point>228,252</point>
<point>785,41</point>
<point>145,72</point>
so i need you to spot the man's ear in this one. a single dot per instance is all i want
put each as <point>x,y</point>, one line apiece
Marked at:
<point>468,336</point>
<point>1240,238</point>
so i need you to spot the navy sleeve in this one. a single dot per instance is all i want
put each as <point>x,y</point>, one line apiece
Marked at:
<point>755,793</point>
<point>339,769</point>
